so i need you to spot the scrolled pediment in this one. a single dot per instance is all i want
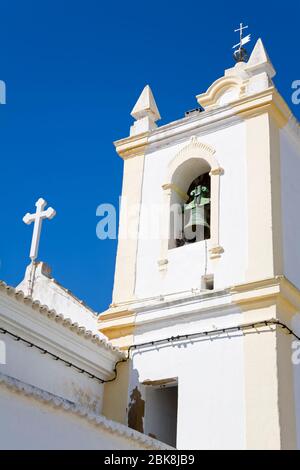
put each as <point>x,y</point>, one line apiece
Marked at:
<point>222,91</point>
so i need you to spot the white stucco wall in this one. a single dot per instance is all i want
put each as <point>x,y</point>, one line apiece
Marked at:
<point>290,200</point>
<point>290,196</point>
<point>28,424</point>
<point>210,374</point>
<point>187,264</point>
<point>32,367</point>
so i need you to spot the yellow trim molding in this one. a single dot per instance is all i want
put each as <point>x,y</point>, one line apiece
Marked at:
<point>132,146</point>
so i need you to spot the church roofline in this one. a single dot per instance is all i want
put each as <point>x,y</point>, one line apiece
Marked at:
<point>44,270</point>
<point>74,297</point>
<point>51,314</point>
<point>235,111</point>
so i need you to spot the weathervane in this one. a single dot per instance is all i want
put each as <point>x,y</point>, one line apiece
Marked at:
<point>240,54</point>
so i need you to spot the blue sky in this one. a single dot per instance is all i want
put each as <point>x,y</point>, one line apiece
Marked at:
<point>73,72</point>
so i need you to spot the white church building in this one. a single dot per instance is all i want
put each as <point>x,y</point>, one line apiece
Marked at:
<point>198,347</point>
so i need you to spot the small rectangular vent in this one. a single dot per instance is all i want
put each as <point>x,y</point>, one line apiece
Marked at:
<point>207,282</point>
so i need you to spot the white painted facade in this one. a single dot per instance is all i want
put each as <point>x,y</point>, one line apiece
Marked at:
<point>290,194</point>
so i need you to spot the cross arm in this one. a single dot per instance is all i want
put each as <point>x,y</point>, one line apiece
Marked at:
<point>49,213</point>
<point>28,218</point>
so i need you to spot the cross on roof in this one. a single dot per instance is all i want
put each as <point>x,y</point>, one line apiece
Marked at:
<point>38,218</point>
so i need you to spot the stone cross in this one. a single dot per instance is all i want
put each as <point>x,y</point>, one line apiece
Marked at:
<point>38,218</point>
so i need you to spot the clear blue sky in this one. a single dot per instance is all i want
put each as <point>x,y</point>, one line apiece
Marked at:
<point>73,71</point>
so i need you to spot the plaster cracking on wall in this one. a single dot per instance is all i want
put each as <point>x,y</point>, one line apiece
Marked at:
<point>84,398</point>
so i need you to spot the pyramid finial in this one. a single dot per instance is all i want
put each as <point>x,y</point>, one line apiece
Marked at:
<point>259,61</point>
<point>145,112</point>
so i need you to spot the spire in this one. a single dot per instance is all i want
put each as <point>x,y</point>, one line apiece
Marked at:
<point>145,112</point>
<point>259,61</point>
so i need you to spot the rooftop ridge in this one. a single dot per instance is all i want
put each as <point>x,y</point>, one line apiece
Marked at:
<point>57,317</point>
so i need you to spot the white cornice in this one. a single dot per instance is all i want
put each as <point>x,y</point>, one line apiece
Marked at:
<point>204,122</point>
<point>113,427</point>
<point>51,331</point>
<point>190,305</point>
<point>207,121</point>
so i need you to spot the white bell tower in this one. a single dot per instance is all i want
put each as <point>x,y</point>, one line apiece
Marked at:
<point>236,142</point>
<point>244,144</point>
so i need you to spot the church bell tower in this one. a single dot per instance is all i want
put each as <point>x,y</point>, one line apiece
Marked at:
<point>209,239</point>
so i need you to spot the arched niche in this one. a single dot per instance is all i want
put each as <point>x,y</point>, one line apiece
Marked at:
<point>194,159</point>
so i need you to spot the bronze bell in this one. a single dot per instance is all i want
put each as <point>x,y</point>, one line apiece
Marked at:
<point>196,214</point>
<point>195,221</point>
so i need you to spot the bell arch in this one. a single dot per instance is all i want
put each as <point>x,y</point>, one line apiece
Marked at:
<point>194,159</point>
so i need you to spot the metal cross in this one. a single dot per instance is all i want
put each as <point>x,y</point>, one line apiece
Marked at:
<point>240,29</point>
<point>38,218</point>
<point>242,40</point>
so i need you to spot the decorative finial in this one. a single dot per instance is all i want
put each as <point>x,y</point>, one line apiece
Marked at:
<point>259,61</point>
<point>240,54</point>
<point>145,112</point>
<point>38,218</point>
